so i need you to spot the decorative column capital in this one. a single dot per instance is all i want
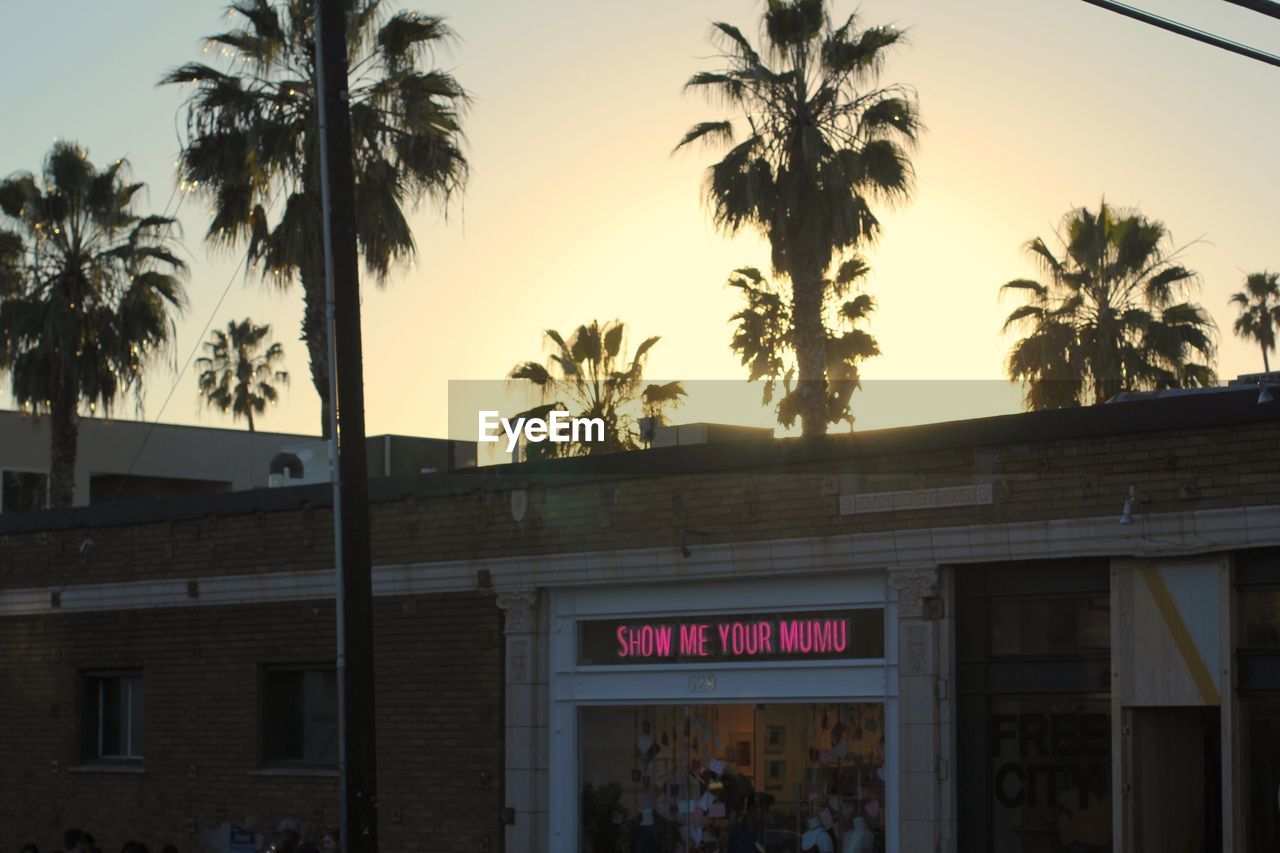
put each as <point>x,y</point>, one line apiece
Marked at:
<point>913,586</point>
<point>519,608</point>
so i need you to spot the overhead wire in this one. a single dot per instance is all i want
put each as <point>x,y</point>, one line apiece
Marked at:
<point>199,341</point>
<point>1266,7</point>
<point>1193,33</point>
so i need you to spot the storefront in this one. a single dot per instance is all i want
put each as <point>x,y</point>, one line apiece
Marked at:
<point>681,714</point>
<point>1034,681</point>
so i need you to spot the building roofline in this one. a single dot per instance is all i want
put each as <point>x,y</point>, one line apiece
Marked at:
<point>1223,409</point>
<point>126,422</point>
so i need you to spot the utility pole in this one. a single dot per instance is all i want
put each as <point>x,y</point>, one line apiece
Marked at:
<point>357,753</point>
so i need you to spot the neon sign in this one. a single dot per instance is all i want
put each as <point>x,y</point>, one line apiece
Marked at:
<point>846,634</point>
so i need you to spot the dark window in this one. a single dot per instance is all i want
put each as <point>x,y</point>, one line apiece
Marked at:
<point>1261,606</point>
<point>112,717</point>
<point>109,488</point>
<point>23,490</point>
<point>1261,745</point>
<point>1063,624</point>
<point>300,716</point>
<point>1257,576</point>
<point>1033,655</point>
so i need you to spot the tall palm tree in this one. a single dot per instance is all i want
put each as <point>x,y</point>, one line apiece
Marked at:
<point>1259,318</point>
<point>241,370</point>
<point>1111,316</point>
<point>822,141</point>
<point>764,339</point>
<point>92,286</point>
<point>590,375</point>
<point>252,139</point>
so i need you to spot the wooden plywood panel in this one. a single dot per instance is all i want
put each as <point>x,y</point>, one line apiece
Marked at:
<point>1166,647</point>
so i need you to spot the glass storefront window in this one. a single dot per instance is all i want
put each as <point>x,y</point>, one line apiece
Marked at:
<point>789,777</point>
<point>1050,626</point>
<point>1258,657</point>
<point>1261,607</point>
<point>1050,774</point>
<point>1034,718</point>
<point>1262,771</point>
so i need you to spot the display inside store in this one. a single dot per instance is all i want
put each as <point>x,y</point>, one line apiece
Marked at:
<point>782,777</point>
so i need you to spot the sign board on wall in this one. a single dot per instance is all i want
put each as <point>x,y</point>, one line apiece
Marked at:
<point>241,841</point>
<point>733,638</point>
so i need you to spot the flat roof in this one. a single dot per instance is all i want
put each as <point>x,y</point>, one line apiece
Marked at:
<point>128,423</point>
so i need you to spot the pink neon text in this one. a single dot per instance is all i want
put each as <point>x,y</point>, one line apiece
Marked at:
<point>736,639</point>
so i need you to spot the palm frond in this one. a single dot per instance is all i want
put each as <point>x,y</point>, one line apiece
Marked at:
<point>707,131</point>
<point>738,42</point>
<point>251,139</point>
<point>1106,320</point>
<point>408,33</point>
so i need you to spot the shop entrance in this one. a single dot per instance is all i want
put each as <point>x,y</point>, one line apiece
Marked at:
<point>705,777</point>
<point>1173,762</point>
<point>1034,750</point>
<point>675,706</point>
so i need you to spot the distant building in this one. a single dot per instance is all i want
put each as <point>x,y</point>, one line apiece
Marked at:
<point>123,460</point>
<point>1047,631</point>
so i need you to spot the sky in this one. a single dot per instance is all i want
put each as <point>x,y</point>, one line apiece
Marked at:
<point>577,209</point>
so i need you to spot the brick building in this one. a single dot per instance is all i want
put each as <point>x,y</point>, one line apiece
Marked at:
<point>1015,633</point>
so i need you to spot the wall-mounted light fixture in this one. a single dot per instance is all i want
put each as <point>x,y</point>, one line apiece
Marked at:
<point>1126,515</point>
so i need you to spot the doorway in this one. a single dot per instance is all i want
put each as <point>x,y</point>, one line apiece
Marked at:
<point>1173,776</point>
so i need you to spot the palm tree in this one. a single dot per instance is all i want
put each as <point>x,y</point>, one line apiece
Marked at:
<point>1112,315</point>
<point>764,338</point>
<point>237,374</point>
<point>252,139</point>
<point>823,139</point>
<point>589,373</point>
<point>1259,318</point>
<point>92,286</point>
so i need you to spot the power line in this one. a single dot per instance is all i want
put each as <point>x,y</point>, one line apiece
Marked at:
<point>178,379</point>
<point>239,268</point>
<point>1192,32</point>
<point>1266,7</point>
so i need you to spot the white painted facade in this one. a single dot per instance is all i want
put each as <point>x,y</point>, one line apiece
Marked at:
<point>573,687</point>
<point>228,459</point>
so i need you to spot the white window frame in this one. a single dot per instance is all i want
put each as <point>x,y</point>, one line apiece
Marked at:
<point>132,752</point>
<point>573,687</point>
<point>303,763</point>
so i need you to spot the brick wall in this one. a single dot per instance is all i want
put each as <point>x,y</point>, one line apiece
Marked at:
<point>440,658</point>
<point>1173,471</point>
<point>439,717</point>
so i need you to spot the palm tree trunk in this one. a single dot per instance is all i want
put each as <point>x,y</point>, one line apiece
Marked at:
<point>1108,378</point>
<point>810,338</point>
<point>1266,362</point>
<point>249,414</point>
<point>64,425</point>
<point>315,331</point>
<point>1105,387</point>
